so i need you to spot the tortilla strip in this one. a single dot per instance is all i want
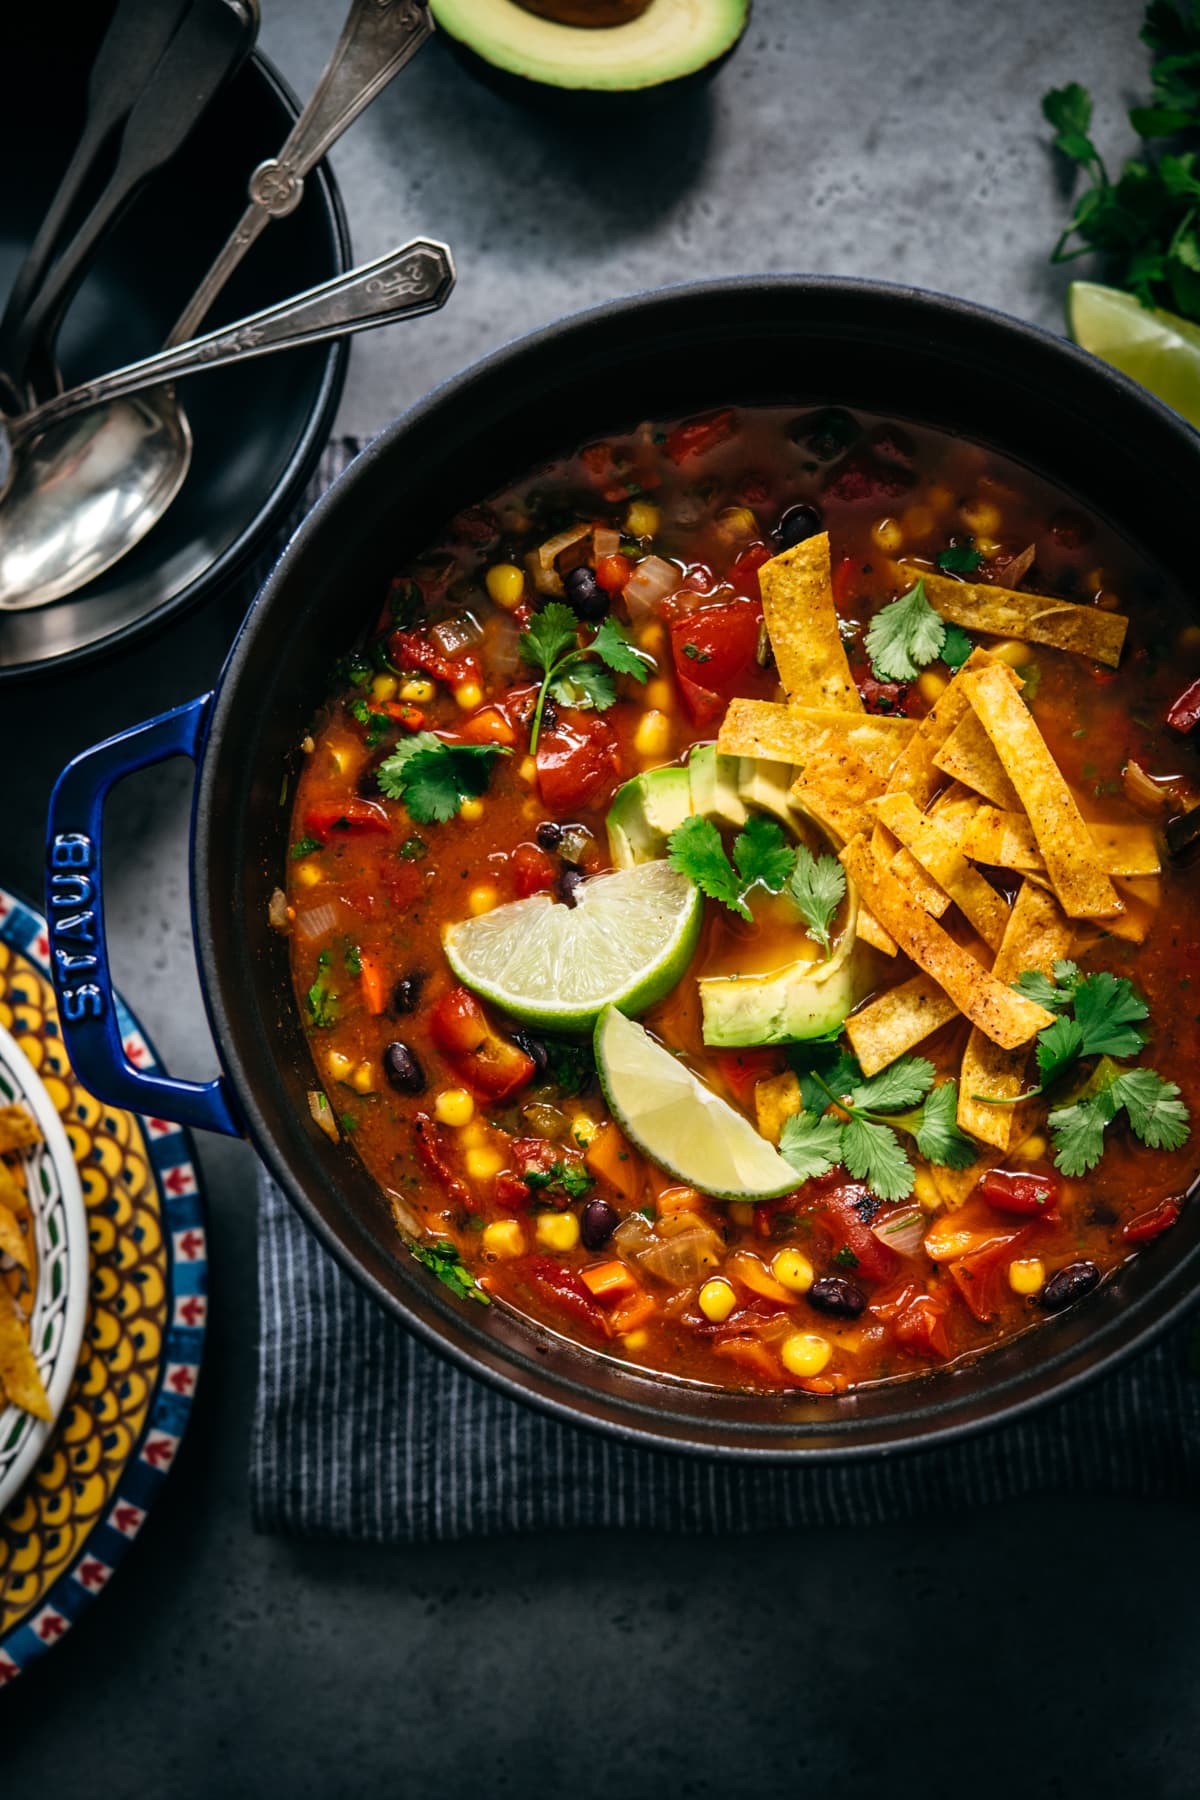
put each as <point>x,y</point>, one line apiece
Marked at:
<point>1006,840</point>
<point>935,848</point>
<point>776,1100</point>
<point>12,1238</point>
<point>969,756</point>
<point>12,1191</point>
<point>890,1025</point>
<point>1038,935</point>
<point>834,787</point>
<point>957,1185</point>
<point>791,734</point>
<point>17,1130</point>
<point>1034,618</point>
<point>906,868</point>
<point>1142,896</point>
<point>18,1370</point>
<point>1006,1017</point>
<point>802,624</point>
<point>1072,861</point>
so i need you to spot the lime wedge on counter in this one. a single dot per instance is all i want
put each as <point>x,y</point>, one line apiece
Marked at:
<point>626,942</point>
<point>1159,349</point>
<point>681,1125</point>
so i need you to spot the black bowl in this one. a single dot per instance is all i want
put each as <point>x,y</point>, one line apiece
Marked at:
<point>779,339</point>
<point>259,428</point>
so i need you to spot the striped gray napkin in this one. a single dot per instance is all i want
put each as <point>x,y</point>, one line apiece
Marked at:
<point>361,1432</point>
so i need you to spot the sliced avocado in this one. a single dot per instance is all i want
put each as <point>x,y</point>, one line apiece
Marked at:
<point>765,787</point>
<point>644,813</point>
<point>805,1000</point>
<point>714,782</point>
<point>665,40</point>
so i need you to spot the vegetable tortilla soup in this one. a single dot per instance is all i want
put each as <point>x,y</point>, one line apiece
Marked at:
<point>738,901</point>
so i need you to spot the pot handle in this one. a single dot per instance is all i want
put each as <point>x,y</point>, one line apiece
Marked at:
<point>75,915</point>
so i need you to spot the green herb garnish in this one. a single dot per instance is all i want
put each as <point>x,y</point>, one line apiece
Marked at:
<point>898,1099</point>
<point>959,559</point>
<point>433,779</point>
<point>570,1181</point>
<point>956,647</point>
<point>443,1260</point>
<point>413,849</point>
<point>762,857</point>
<point>305,846</point>
<point>571,1068</point>
<point>575,674</point>
<point>818,886</point>
<point>322,1001</point>
<point>905,636</point>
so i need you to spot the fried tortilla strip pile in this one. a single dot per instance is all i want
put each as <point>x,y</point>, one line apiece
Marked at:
<point>1005,840</point>
<point>968,756</point>
<point>892,1024</point>
<point>1033,618</point>
<point>791,734</point>
<point>19,1377</point>
<point>936,848</point>
<point>802,624</point>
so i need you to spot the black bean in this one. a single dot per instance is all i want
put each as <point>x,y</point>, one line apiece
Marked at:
<point>584,594</point>
<point>597,1222</point>
<point>549,835</point>
<point>406,995</point>
<point>569,883</point>
<point>797,524</point>
<point>402,1069</point>
<point>1069,1285</point>
<point>825,433</point>
<point>834,1294</point>
<point>535,1050</point>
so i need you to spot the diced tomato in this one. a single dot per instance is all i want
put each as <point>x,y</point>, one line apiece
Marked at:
<point>563,1289</point>
<point>577,761</point>
<point>850,1236</point>
<point>1149,1225</point>
<point>490,1064</point>
<point>427,1138</point>
<point>1183,714</point>
<point>843,575</point>
<point>487,726</point>
<point>596,458</point>
<point>510,1191</point>
<point>704,706</point>
<point>751,1354</point>
<point>533,871</point>
<point>401,881</point>
<point>695,437</point>
<point>743,575</point>
<point>1026,1195</point>
<point>715,644</point>
<point>920,1327</point>
<point>740,1069</point>
<point>882,696</point>
<point>976,1275</point>
<point>612,572</point>
<point>409,650</point>
<point>351,818</point>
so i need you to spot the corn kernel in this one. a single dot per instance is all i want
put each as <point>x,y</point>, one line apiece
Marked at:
<point>636,1340</point>
<point>557,1231</point>
<point>887,536</point>
<point>585,1130</point>
<point>658,694</point>
<point>308,874</point>
<point>742,1212</point>
<point>483,899</point>
<point>383,687</point>
<point>792,1269</point>
<point>527,769</point>
<point>987,547</point>
<point>930,684</point>
<point>1027,1275</point>
<point>483,1162</point>
<point>917,522</point>
<point>1011,651</point>
<point>471,810</point>
<point>308,743</point>
<point>469,695</point>
<point>339,1065</point>
<point>504,1238</point>
<point>418,690</point>
<point>474,1133</point>
<point>805,1353</point>
<point>454,1106</point>
<point>653,734</point>
<point>1189,638</point>
<point>641,520</point>
<point>981,517</point>
<point>363,1079</point>
<point>717,1299</point>
<point>926,1191</point>
<point>1032,1150</point>
<point>506,584</point>
<point>651,637</point>
<point>737,521</point>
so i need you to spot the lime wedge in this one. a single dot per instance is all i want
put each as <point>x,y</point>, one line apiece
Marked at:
<point>681,1125</point>
<point>1159,349</point>
<point>626,942</point>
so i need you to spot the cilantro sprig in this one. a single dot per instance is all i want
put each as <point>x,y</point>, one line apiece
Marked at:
<point>575,674</point>
<point>442,1259</point>
<point>959,559</point>
<point>818,887</point>
<point>908,633</point>
<point>763,858</point>
<point>562,1180</point>
<point>863,1134</point>
<point>433,778</point>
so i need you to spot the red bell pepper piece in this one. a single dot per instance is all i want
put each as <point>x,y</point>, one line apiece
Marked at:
<point>490,1064</point>
<point>751,1354</point>
<point>920,1326</point>
<point>533,871</point>
<point>351,818</point>
<point>1183,714</point>
<point>1026,1195</point>
<point>743,574</point>
<point>1149,1225</point>
<point>695,437</point>
<point>431,1152</point>
<point>563,1289</point>
<point>975,1275</point>
<point>409,650</point>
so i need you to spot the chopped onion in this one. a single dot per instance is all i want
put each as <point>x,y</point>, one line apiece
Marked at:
<point>902,1231</point>
<point>405,1218</point>
<point>453,636</point>
<point>575,843</point>
<point>685,1258</point>
<point>322,1114</point>
<point>1143,791</point>
<point>504,648</point>
<point>652,580</point>
<point>278,916</point>
<point>317,922</point>
<point>605,541</point>
<point>540,562</point>
<point>634,1234</point>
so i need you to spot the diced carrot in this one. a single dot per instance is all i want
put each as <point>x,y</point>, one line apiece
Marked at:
<point>488,726</point>
<point>749,1354</point>
<point>411,718</point>
<point>609,1280</point>
<point>610,1157</point>
<point>633,1312</point>
<point>671,1200</point>
<point>374,987</point>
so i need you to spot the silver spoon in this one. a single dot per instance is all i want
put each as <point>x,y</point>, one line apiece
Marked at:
<point>93,480</point>
<point>40,561</point>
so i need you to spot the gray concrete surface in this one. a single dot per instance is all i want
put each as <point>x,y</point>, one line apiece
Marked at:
<point>1048,1649</point>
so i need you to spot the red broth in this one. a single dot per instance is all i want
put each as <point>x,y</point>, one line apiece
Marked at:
<point>494,1144</point>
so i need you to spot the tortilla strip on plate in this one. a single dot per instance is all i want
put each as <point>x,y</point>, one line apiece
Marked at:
<point>889,1026</point>
<point>1034,618</point>
<point>791,734</point>
<point>1005,1016</point>
<point>936,849</point>
<point>970,757</point>
<point>12,1191</point>
<point>1072,860</point>
<point>1038,935</point>
<point>1006,840</point>
<point>18,1370</point>
<point>12,1239</point>
<point>802,624</point>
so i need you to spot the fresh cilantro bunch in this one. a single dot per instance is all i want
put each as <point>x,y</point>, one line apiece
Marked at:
<point>762,857</point>
<point>1099,1015</point>
<point>901,1098</point>
<point>577,675</point>
<point>1144,223</point>
<point>443,1260</point>
<point>908,634</point>
<point>433,778</point>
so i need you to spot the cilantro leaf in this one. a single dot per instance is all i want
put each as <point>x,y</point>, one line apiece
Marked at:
<point>391,769</point>
<point>1069,110</point>
<point>838,1070</point>
<point>874,1154</point>
<point>585,685</point>
<point>305,846</point>
<point>763,856</point>
<point>571,1068</point>
<point>548,635</point>
<point>322,1001</point>
<point>956,647</point>
<point>959,559</point>
<point>1106,1008</point>
<point>938,1137</point>
<point>1156,1113</point>
<point>695,849</point>
<point>613,647</point>
<point>433,778</point>
<point>902,1084</point>
<point>1078,1132</point>
<point>904,636</point>
<point>1058,1046</point>
<point>813,1145</point>
<point>817,886</point>
<point>1041,989</point>
<point>443,1260</point>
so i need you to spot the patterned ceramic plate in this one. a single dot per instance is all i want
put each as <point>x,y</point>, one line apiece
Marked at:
<point>57,1306</point>
<point>89,1490</point>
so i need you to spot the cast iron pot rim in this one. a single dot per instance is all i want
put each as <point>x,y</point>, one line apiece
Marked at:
<point>1047,1381</point>
<point>223,571</point>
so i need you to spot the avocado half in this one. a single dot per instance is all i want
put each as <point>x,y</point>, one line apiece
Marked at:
<point>667,41</point>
